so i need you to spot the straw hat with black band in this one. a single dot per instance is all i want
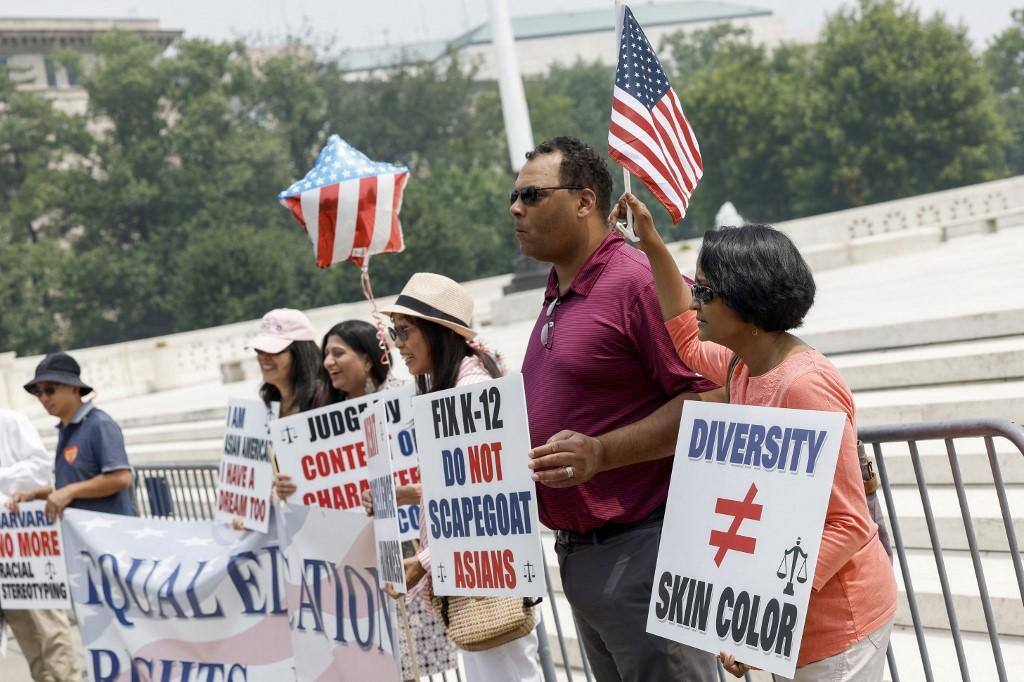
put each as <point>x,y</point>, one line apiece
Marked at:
<point>438,299</point>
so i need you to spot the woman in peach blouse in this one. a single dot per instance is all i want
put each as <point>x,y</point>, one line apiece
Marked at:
<point>751,287</point>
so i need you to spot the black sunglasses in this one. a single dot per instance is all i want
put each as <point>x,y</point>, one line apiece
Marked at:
<point>702,293</point>
<point>547,331</point>
<point>399,334</point>
<point>531,195</point>
<point>49,390</point>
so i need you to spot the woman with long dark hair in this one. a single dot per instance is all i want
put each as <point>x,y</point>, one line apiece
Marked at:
<point>733,325</point>
<point>432,331</point>
<point>289,361</point>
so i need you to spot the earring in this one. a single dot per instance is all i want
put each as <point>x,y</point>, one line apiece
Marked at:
<point>755,331</point>
<point>369,387</point>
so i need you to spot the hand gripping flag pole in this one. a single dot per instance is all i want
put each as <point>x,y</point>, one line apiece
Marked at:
<point>648,134</point>
<point>348,205</point>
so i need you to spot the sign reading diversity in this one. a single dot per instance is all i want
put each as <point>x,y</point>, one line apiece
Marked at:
<point>743,523</point>
<point>385,504</point>
<point>479,496</point>
<point>246,474</point>
<point>33,574</point>
<point>324,452</point>
<point>195,600</point>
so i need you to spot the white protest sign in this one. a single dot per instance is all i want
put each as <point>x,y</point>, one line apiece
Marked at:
<point>33,573</point>
<point>324,453</point>
<point>246,473</point>
<point>743,523</point>
<point>478,494</point>
<point>385,505</point>
<point>405,457</point>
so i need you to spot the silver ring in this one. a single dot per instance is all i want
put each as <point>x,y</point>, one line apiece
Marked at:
<point>570,471</point>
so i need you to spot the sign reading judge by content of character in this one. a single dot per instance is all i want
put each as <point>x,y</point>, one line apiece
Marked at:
<point>743,524</point>
<point>479,500</point>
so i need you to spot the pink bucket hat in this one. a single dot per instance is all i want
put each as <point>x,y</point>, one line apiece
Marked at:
<point>279,328</point>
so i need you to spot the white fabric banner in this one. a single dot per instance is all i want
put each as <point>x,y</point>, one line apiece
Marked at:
<point>195,600</point>
<point>745,514</point>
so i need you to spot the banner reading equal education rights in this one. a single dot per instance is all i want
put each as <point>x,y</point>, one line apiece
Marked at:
<point>478,492</point>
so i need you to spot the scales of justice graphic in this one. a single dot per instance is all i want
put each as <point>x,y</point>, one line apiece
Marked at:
<point>788,569</point>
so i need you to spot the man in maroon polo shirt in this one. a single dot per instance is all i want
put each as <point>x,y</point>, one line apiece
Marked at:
<point>604,390</point>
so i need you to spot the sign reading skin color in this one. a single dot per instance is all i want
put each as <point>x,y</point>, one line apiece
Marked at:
<point>341,622</point>
<point>385,504</point>
<point>246,473</point>
<point>33,573</point>
<point>479,496</point>
<point>746,509</point>
<point>324,452</point>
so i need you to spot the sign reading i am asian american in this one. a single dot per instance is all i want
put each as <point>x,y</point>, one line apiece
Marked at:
<point>246,473</point>
<point>33,572</point>
<point>385,508</point>
<point>743,524</point>
<point>478,494</point>
<point>324,452</point>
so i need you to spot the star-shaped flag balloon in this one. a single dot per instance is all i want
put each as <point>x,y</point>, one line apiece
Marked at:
<point>349,205</point>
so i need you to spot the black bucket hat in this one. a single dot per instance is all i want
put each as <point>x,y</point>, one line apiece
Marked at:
<point>59,368</point>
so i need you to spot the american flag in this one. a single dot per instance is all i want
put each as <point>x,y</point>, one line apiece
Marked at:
<point>649,134</point>
<point>348,204</point>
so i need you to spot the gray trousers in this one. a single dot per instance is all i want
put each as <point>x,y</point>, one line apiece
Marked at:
<point>608,585</point>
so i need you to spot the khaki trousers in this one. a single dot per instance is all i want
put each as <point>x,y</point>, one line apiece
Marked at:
<point>50,643</point>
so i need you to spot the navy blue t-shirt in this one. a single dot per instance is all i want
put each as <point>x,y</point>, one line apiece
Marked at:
<point>92,444</point>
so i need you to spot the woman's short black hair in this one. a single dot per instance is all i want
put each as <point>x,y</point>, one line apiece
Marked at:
<point>362,338</point>
<point>760,274</point>
<point>306,363</point>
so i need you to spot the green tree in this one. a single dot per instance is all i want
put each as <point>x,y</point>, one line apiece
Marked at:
<point>1004,60</point>
<point>744,104</point>
<point>900,106</point>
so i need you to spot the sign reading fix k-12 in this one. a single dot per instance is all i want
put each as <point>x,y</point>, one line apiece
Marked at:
<point>745,514</point>
<point>479,500</point>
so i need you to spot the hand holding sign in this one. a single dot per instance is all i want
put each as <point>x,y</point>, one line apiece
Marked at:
<point>567,459</point>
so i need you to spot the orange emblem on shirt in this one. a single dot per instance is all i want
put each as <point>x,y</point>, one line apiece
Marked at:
<point>70,453</point>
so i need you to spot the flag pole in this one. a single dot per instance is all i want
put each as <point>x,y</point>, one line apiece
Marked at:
<point>626,184</point>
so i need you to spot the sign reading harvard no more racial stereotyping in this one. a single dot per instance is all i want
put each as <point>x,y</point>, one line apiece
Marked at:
<point>33,573</point>
<point>479,497</point>
<point>246,473</point>
<point>743,524</point>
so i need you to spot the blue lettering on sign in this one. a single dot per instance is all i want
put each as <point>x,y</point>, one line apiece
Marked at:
<point>756,445</point>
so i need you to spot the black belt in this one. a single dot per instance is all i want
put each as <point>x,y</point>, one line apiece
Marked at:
<point>609,530</point>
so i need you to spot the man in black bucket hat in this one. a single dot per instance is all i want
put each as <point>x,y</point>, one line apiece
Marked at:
<point>91,468</point>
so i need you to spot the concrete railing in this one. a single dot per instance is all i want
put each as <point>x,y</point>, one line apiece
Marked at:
<point>145,366</point>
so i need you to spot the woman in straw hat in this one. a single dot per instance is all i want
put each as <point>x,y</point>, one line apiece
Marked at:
<point>432,331</point>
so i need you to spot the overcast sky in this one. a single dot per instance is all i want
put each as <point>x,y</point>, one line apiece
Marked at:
<point>363,23</point>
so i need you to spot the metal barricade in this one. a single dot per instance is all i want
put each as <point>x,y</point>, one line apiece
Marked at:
<point>192,489</point>
<point>885,443</point>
